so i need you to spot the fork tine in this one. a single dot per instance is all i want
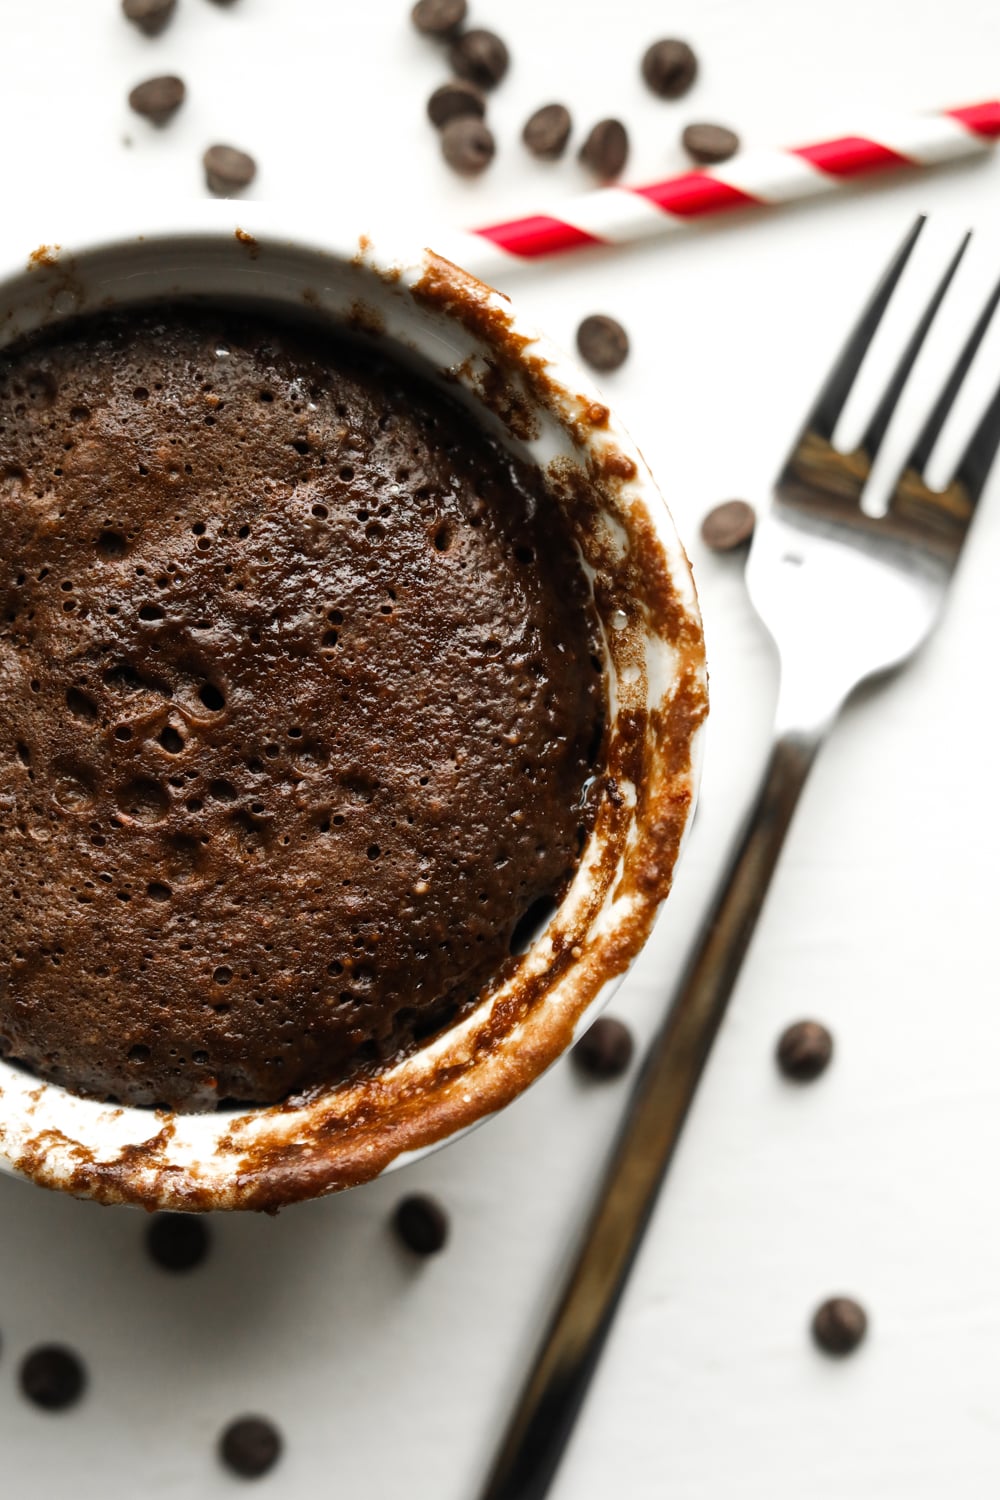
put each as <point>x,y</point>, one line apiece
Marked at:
<point>977,460</point>
<point>823,418</point>
<point>882,415</point>
<point>931,431</point>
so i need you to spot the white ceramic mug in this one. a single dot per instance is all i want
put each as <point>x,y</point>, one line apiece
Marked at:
<point>545,407</point>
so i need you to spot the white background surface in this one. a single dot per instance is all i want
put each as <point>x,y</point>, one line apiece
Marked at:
<point>389,1378</point>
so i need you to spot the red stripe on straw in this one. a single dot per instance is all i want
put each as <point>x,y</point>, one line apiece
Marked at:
<point>850,156</point>
<point>538,235</point>
<point>693,194</point>
<point>981,119</point>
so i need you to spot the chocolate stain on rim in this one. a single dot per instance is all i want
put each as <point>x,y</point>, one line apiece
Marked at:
<point>249,241</point>
<point>57,271</point>
<point>389,274</point>
<point>338,1137</point>
<point>366,319</point>
<point>45,255</point>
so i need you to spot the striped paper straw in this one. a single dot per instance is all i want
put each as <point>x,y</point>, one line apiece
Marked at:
<point>755,178</point>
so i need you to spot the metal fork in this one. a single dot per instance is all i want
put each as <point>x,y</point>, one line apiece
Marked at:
<point>845,596</point>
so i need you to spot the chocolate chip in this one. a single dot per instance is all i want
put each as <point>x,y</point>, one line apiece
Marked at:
<point>467,145</point>
<point>439,17</point>
<point>605,1050</point>
<point>455,101</point>
<point>227,170</point>
<point>710,143</point>
<point>158,98</point>
<point>177,1242</point>
<point>728,526</point>
<point>250,1446</point>
<point>839,1325</point>
<point>605,151</point>
<point>149,15</point>
<point>481,57</point>
<point>53,1377</point>
<point>804,1051</point>
<point>547,132</point>
<point>669,67</point>
<point>602,342</point>
<point>421,1224</point>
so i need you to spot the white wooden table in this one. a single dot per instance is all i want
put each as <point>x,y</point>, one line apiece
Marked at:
<point>390,1379</point>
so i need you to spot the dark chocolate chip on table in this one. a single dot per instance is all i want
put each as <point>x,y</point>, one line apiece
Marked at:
<point>149,15</point>
<point>839,1325</point>
<point>227,170</point>
<point>728,525</point>
<point>421,1224</point>
<point>467,145</point>
<point>602,342</point>
<point>250,1446</point>
<point>454,101</point>
<point>605,1049</point>
<point>605,151</point>
<point>53,1377</point>
<point>669,67</point>
<point>481,57</point>
<point>158,98</point>
<point>804,1051</point>
<point>710,143</point>
<point>177,1242</point>
<point>441,18</point>
<point>547,131</point>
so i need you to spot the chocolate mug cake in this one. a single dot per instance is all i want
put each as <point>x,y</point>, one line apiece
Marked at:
<point>302,696</point>
<point>205,889</point>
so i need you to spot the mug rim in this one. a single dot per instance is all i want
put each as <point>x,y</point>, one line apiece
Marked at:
<point>272,1155</point>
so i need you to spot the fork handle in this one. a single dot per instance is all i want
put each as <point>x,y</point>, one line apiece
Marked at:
<point>551,1398</point>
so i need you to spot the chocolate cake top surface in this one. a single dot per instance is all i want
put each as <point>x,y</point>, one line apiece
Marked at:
<point>301,695</point>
